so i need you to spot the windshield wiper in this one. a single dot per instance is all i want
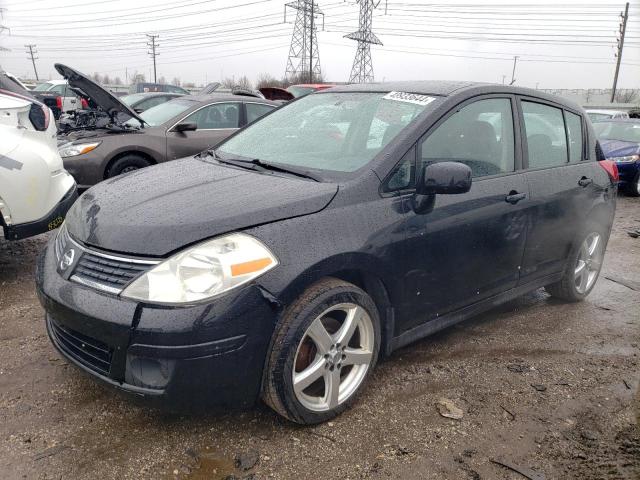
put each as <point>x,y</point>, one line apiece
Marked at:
<point>257,164</point>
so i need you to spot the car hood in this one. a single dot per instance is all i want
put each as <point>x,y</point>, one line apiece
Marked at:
<point>157,210</point>
<point>105,100</point>
<point>619,148</point>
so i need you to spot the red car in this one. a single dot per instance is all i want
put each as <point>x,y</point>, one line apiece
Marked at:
<point>303,89</point>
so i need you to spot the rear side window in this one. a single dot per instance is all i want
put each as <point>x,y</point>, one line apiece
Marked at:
<point>256,110</point>
<point>218,115</point>
<point>574,132</point>
<point>479,135</point>
<point>546,138</point>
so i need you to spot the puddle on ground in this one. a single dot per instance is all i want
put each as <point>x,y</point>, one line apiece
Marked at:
<point>211,466</point>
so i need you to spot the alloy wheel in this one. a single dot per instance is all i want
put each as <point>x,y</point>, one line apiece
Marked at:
<point>128,169</point>
<point>333,357</point>
<point>588,263</point>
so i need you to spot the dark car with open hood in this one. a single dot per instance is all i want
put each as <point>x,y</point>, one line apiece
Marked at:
<point>113,138</point>
<point>335,230</point>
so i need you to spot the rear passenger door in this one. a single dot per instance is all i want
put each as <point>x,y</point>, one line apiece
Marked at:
<point>561,180</point>
<point>215,122</point>
<point>469,246</point>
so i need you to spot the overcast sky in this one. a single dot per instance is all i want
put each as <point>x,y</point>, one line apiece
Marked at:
<point>562,44</point>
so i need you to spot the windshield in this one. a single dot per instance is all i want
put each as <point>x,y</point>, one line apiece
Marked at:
<point>162,113</point>
<point>625,131</point>
<point>338,132</point>
<point>43,87</point>
<point>300,91</point>
<point>131,99</point>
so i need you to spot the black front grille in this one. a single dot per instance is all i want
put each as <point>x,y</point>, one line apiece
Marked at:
<point>113,273</point>
<point>88,351</point>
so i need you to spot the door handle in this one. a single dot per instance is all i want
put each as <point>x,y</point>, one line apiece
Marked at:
<point>514,197</point>
<point>585,182</point>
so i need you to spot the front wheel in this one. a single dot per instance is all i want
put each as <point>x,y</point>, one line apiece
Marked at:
<point>583,268</point>
<point>323,351</point>
<point>127,163</point>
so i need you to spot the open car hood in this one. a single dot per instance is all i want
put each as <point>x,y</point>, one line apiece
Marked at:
<point>105,100</point>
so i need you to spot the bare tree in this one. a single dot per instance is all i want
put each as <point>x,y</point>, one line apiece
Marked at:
<point>138,78</point>
<point>97,77</point>
<point>162,79</point>
<point>106,79</point>
<point>627,96</point>
<point>268,80</point>
<point>228,82</point>
<point>175,81</point>
<point>117,81</point>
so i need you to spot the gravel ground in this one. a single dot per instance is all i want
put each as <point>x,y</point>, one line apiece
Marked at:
<point>541,385</point>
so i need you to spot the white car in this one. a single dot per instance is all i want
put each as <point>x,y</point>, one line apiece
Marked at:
<point>595,115</point>
<point>35,190</point>
<point>58,96</point>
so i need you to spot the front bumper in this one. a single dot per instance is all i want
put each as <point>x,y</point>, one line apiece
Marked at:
<point>87,169</point>
<point>627,173</point>
<point>187,358</point>
<point>50,221</point>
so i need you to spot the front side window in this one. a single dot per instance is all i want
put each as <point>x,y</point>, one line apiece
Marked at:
<point>256,110</point>
<point>546,138</point>
<point>218,115</point>
<point>479,135</point>
<point>574,131</point>
<point>337,132</point>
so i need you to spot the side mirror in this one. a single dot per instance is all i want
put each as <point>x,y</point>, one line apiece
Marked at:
<point>186,127</point>
<point>445,178</point>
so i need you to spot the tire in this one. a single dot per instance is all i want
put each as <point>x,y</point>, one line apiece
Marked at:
<point>324,308</point>
<point>633,189</point>
<point>126,164</point>
<point>576,284</point>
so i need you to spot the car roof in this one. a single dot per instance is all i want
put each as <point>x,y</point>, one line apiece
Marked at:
<point>227,97</point>
<point>602,110</point>
<point>156,94</point>
<point>617,120</point>
<point>447,88</point>
<point>314,85</point>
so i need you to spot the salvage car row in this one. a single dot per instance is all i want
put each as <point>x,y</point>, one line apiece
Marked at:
<point>280,260</point>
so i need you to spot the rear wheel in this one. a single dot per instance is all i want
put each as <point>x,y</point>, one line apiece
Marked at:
<point>583,268</point>
<point>127,163</point>
<point>324,349</point>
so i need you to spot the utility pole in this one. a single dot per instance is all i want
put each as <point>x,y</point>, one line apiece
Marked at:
<point>311,45</point>
<point>503,78</point>
<point>304,54</point>
<point>513,73</point>
<point>31,53</point>
<point>362,70</point>
<point>152,43</point>
<point>623,29</point>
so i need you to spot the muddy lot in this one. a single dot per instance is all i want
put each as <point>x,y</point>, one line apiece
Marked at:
<point>542,385</point>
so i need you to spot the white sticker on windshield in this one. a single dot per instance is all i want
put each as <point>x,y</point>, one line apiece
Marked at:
<point>409,97</point>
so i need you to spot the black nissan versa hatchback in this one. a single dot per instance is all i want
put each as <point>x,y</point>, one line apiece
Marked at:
<point>330,232</point>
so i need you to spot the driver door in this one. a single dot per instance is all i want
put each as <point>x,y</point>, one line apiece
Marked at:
<point>214,122</point>
<point>469,246</point>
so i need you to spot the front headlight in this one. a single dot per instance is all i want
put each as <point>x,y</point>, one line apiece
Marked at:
<point>204,270</point>
<point>627,159</point>
<point>73,149</point>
